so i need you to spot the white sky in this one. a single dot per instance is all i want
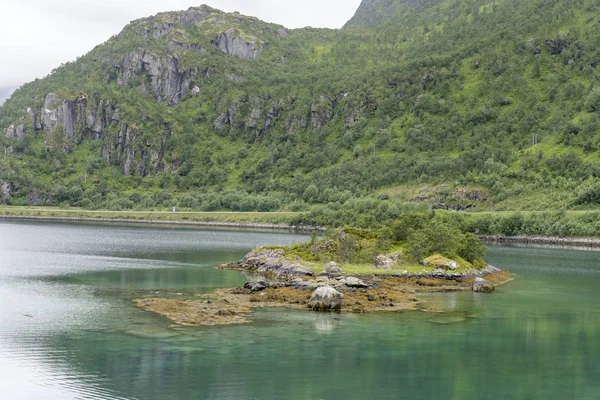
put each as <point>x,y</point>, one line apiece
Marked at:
<point>38,35</point>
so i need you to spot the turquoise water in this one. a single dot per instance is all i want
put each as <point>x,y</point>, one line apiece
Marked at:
<point>68,330</point>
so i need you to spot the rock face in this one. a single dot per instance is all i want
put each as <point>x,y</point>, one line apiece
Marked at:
<point>483,286</point>
<point>232,43</point>
<point>333,268</point>
<point>163,77</point>
<point>65,123</point>
<point>5,191</point>
<point>326,298</point>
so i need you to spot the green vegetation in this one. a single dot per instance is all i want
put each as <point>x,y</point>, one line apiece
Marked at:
<point>414,104</point>
<point>413,238</point>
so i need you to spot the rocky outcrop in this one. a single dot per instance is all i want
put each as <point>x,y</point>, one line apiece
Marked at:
<point>5,192</point>
<point>332,268</point>
<point>66,123</point>
<point>385,263</point>
<point>326,298</point>
<point>482,286</point>
<point>16,130</point>
<point>321,112</point>
<point>256,286</point>
<point>242,46</point>
<point>440,262</point>
<point>165,79</point>
<point>261,113</point>
<point>274,263</point>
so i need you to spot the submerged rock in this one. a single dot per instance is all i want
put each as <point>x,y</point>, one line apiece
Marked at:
<point>333,268</point>
<point>482,286</point>
<point>326,298</point>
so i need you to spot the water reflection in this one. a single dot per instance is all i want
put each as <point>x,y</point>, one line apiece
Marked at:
<point>326,323</point>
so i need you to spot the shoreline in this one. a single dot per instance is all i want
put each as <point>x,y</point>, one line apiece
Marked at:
<point>203,224</point>
<point>578,242</point>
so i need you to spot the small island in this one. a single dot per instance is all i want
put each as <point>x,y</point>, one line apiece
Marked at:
<point>346,270</point>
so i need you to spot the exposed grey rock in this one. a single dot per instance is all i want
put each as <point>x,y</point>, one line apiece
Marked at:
<point>231,43</point>
<point>5,192</point>
<point>267,261</point>
<point>326,298</point>
<point>169,82</point>
<point>354,282</point>
<point>333,268</point>
<point>16,130</point>
<point>489,269</point>
<point>482,286</point>
<point>385,263</point>
<point>271,116</point>
<point>52,117</point>
<point>282,32</point>
<point>301,284</point>
<point>254,113</point>
<point>294,270</point>
<point>256,286</point>
<point>441,262</point>
<point>193,15</point>
<point>452,265</point>
<point>321,113</point>
<point>227,118</point>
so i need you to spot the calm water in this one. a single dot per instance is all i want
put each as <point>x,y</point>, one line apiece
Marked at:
<point>68,330</point>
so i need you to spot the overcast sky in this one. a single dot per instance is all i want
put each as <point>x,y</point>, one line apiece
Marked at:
<point>36,36</point>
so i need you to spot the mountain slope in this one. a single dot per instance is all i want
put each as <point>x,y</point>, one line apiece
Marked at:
<point>498,100</point>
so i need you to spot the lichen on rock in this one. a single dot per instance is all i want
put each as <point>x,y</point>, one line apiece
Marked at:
<point>326,298</point>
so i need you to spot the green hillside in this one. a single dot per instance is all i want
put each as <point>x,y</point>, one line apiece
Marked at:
<point>493,105</point>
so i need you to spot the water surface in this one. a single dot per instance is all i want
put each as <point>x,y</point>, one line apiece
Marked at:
<point>68,329</point>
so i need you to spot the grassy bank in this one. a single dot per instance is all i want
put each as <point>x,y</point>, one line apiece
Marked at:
<point>269,218</point>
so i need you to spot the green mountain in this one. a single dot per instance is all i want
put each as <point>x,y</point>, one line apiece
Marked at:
<point>444,103</point>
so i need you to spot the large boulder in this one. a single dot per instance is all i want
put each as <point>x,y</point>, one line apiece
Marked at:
<point>482,286</point>
<point>256,286</point>
<point>301,284</point>
<point>326,298</point>
<point>293,270</point>
<point>386,263</point>
<point>353,282</point>
<point>333,268</point>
